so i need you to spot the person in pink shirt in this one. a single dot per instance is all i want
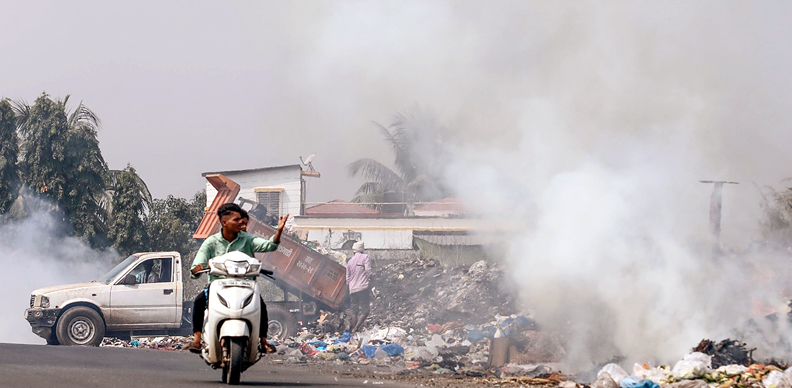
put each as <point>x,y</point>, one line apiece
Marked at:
<point>358,273</point>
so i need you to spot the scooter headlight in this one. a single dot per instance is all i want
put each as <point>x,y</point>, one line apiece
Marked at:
<point>222,300</point>
<point>44,302</point>
<point>220,266</point>
<point>236,267</point>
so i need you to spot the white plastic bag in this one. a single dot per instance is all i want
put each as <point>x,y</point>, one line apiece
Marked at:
<point>693,366</point>
<point>614,371</point>
<point>393,334</point>
<point>656,374</point>
<point>604,380</point>
<point>776,379</point>
<point>732,370</point>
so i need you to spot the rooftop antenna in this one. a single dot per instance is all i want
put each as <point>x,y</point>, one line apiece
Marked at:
<point>309,172</point>
<point>716,201</point>
<point>307,162</point>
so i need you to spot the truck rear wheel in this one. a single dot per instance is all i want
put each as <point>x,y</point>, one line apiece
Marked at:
<point>282,323</point>
<point>80,326</point>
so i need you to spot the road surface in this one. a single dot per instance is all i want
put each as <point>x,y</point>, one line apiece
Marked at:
<point>64,366</point>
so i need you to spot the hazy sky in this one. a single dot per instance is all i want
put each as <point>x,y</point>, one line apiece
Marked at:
<point>185,87</point>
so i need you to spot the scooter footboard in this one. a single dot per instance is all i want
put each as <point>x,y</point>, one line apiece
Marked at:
<point>234,328</point>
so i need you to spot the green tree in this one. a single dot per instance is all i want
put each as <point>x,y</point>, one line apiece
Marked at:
<point>172,221</point>
<point>61,161</point>
<point>9,150</point>
<point>419,145</point>
<point>129,201</point>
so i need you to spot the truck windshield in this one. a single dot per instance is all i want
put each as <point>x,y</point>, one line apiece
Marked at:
<point>106,278</point>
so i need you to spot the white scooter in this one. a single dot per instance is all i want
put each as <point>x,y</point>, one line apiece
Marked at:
<point>231,324</point>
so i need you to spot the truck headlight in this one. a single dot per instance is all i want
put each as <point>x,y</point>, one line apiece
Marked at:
<point>44,302</point>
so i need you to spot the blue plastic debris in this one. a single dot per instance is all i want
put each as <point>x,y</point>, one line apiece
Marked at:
<point>346,337</point>
<point>475,335</point>
<point>369,350</point>
<point>393,349</point>
<point>632,382</point>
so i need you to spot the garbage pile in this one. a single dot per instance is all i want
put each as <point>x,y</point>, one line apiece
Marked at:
<point>728,364</point>
<point>452,348</point>
<point>157,343</point>
<point>411,294</point>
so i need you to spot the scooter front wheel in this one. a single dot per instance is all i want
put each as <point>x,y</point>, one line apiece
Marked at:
<point>233,369</point>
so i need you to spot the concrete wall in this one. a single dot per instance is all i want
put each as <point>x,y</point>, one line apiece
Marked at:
<point>377,233</point>
<point>287,178</point>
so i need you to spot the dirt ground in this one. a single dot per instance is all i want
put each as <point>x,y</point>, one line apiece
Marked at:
<point>397,372</point>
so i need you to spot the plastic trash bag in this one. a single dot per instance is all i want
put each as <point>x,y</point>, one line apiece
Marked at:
<point>475,335</point>
<point>380,354</point>
<point>732,370</point>
<point>788,373</point>
<point>614,371</point>
<point>436,341</point>
<point>426,353</point>
<point>392,349</point>
<point>369,350</point>
<point>344,338</point>
<point>693,366</point>
<point>690,384</point>
<point>395,334</point>
<point>632,382</point>
<point>656,374</point>
<point>776,379</point>
<point>604,380</point>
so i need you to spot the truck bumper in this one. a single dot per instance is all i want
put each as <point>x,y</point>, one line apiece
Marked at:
<point>41,320</point>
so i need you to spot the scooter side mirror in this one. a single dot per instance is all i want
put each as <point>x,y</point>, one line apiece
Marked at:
<point>129,280</point>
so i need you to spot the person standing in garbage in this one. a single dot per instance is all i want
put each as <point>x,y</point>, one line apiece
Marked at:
<point>232,237</point>
<point>358,274</point>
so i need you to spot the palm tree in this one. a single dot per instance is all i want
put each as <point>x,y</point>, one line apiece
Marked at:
<point>418,144</point>
<point>61,161</point>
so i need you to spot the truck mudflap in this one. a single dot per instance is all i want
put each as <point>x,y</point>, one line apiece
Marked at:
<point>234,328</point>
<point>41,320</point>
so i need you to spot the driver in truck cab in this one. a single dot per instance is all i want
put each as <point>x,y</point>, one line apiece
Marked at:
<point>231,237</point>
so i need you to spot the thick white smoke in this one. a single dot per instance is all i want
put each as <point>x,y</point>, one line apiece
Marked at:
<point>626,109</point>
<point>33,255</point>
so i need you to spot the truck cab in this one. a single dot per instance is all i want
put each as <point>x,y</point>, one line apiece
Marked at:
<point>143,294</point>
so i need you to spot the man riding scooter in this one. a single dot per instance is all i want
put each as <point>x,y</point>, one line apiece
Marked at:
<point>231,237</point>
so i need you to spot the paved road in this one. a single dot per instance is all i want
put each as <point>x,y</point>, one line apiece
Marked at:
<point>62,366</point>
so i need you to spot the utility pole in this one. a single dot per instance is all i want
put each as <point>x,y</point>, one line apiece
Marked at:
<point>716,202</point>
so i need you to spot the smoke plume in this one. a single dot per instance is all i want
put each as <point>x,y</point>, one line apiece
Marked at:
<point>625,108</point>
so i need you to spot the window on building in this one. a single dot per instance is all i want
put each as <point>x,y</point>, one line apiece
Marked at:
<point>271,200</point>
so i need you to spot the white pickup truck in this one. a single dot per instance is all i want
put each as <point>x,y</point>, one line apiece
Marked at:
<point>141,295</point>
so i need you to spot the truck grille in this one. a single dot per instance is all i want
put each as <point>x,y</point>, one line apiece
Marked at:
<point>32,300</point>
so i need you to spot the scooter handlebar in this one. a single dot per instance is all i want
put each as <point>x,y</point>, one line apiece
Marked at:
<point>267,273</point>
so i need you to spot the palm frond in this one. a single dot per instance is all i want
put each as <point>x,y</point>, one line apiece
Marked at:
<point>83,116</point>
<point>22,112</point>
<point>374,171</point>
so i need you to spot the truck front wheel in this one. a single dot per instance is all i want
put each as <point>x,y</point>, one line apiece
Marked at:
<point>80,326</point>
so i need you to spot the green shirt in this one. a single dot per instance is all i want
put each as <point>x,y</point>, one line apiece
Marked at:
<point>215,245</point>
